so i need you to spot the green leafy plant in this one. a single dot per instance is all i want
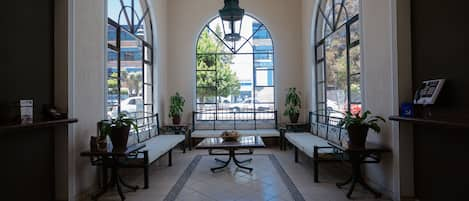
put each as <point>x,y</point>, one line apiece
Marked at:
<point>121,121</point>
<point>362,120</point>
<point>292,103</point>
<point>177,105</point>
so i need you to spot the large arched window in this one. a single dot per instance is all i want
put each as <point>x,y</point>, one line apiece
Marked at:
<point>129,70</point>
<point>235,80</point>
<point>337,53</point>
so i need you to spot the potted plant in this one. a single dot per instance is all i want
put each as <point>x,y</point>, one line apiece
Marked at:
<point>292,105</point>
<point>176,108</point>
<point>358,125</point>
<point>118,130</point>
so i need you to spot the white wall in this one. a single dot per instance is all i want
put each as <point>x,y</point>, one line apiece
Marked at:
<point>377,69</point>
<point>308,20</point>
<point>185,21</point>
<point>88,86</point>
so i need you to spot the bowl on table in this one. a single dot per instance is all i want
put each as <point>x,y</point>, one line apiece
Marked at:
<point>230,136</point>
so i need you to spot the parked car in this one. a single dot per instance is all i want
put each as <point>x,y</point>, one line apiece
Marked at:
<point>129,106</point>
<point>248,105</point>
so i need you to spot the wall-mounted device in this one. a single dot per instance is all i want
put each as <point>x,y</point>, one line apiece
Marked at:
<point>428,91</point>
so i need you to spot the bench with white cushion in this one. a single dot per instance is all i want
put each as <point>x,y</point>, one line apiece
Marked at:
<point>266,128</point>
<point>216,133</point>
<point>156,145</point>
<point>314,142</point>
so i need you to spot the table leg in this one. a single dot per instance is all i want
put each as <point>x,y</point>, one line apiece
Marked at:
<point>221,161</point>
<point>355,159</point>
<point>339,185</point>
<point>115,178</point>
<point>238,163</point>
<point>223,166</point>
<point>134,188</point>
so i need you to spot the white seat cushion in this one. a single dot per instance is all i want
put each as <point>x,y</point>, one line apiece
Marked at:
<point>217,133</point>
<point>306,142</point>
<point>159,145</point>
<point>268,133</point>
<point>206,133</point>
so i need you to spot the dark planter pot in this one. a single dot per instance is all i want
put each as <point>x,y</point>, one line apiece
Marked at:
<point>357,135</point>
<point>119,137</point>
<point>176,119</point>
<point>294,117</point>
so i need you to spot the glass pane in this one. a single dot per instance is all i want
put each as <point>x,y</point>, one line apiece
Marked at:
<point>340,12</point>
<point>207,61</point>
<point>355,60</point>
<point>336,70</point>
<point>132,81</point>
<point>206,79</point>
<point>355,92</point>
<point>264,78</point>
<point>111,35</point>
<point>355,31</point>
<point>263,61</point>
<point>112,112</point>
<point>132,107</point>
<point>264,95</point>
<point>112,91</point>
<point>206,95</point>
<point>208,41</point>
<point>113,9</point>
<point>265,107</point>
<point>207,109</point>
<point>111,63</point>
<point>265,115</point>
<point>353,7</point>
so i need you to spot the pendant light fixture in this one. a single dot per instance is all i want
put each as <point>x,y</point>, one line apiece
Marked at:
<point>232,17</point>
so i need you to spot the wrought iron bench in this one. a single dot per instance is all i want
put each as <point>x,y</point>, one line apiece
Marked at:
<point>210,124</point>
<point>157,144</point>
<point>314,142</point>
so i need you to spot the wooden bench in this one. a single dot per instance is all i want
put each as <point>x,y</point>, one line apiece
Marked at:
<point>314,142</point>
<point>265,128</point>
<point>157,144</point>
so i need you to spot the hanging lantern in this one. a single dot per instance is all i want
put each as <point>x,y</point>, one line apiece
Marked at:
<point>232,16</point>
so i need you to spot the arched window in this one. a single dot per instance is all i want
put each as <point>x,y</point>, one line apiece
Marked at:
<point>235,80</point>
<point>337,53</point>
<point>129,70</point>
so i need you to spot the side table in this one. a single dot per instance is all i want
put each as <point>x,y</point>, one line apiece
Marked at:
<point>358,156</point>
<point>112,160</point>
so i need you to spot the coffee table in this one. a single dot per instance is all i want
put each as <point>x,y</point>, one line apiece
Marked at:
<point>244,142</point>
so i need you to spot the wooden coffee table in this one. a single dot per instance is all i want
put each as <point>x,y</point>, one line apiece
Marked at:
<point>244,142</point>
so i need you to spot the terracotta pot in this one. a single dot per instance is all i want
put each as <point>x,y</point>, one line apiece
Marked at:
<point>119,137</point>
<point>176,119</point>
<point>357,135</point>
<point>294,117</point>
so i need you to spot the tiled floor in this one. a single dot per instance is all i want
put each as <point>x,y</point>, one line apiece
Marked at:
<point>263,184</point>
